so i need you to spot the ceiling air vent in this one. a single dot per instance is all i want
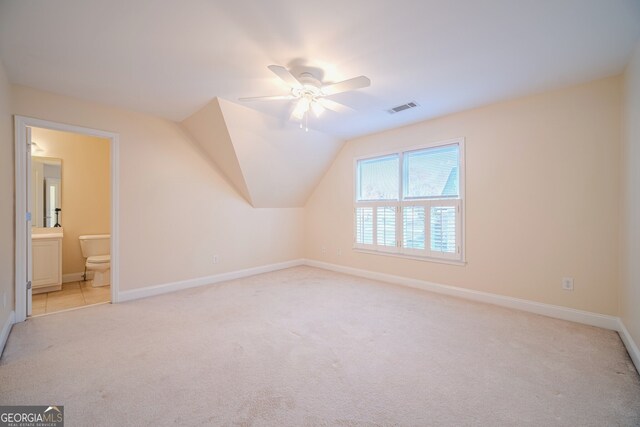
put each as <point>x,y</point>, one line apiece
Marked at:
<point>403,107</point>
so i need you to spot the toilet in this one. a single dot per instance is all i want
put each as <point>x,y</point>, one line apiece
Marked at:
<point>95,249</point>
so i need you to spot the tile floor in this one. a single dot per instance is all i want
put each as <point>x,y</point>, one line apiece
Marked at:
<point>72,295</point>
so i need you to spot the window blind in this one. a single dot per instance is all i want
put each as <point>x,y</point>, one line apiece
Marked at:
<point>431,173</point>
<point>413,227</point>
<point>364,225</point>
<point>378,178</point>
<point>443,229</point>
<point>386,226</point>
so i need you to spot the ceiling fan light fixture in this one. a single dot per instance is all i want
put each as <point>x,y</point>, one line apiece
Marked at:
<point>317,108</point>
<point>301,108</point>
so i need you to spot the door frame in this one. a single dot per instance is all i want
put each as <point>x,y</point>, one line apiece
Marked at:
<point>21,123</point>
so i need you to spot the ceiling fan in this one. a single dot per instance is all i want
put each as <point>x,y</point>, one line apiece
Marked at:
<point>311,94</point>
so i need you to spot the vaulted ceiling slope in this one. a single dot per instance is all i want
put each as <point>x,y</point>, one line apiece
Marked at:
<point>272,163</point>
<point>169,58</point>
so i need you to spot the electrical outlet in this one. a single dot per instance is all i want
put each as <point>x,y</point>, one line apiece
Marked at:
<point>339,252</point>
<point>216,259</point>
<point>324,249</point>
<point>567,283</point>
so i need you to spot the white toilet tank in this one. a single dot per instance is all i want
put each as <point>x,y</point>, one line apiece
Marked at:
<point>97,244</point>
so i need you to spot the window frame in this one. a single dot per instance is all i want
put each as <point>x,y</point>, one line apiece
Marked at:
<point>428,202</point>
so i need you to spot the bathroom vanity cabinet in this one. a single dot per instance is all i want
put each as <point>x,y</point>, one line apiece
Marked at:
<point>46,249</point>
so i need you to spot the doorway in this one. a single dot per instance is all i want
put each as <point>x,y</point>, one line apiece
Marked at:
<point>41,206</point>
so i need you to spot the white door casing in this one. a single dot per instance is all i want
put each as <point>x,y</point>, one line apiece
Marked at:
<point>28,217</point>
<point>23,225</point>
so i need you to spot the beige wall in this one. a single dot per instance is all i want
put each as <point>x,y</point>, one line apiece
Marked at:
<point>7,207</point>
<point>542,188</point>
<point>86,198</point>
<point>176,210</point>
<point>542,198</point>
<point>630,287</point>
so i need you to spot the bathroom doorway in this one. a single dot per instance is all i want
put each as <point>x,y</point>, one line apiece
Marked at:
<point>66,223</point>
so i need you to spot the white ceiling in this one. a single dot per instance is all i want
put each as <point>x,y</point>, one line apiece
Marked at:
<point>170,58</point>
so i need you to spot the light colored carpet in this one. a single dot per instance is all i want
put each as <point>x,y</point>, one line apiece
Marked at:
<point>305,346</point>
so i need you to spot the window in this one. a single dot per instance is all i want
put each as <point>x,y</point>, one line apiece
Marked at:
<point>378,178</point>
<point>410,202</point>
<point>431,173</point>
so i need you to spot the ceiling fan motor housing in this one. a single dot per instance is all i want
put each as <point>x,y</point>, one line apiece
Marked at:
<point>310,86</point>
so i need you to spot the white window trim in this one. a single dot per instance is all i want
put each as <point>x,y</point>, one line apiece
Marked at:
<point>460,202</point>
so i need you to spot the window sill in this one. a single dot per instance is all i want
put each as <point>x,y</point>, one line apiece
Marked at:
<point>411,257</point>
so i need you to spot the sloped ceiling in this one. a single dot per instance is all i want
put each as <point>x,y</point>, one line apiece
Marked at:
<point>208,128</point>
<point>169,58</point>
<point>272,163</point>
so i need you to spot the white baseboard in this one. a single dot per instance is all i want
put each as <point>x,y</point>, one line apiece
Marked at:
<point>202,281</point>
<point>6,328</point>
<point>558,312</point>
<point>75,277</point>
<point>631,345</point>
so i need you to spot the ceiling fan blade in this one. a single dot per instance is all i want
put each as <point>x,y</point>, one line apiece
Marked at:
<point>335,106</point>
<point>286,76</point>
<point>267,98</point>
<point>346,85</point>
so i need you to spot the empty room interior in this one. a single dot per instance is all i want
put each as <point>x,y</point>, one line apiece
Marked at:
<point>284,213</point>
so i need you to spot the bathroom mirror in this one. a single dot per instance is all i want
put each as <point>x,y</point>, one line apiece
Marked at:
<point>46,191</point>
